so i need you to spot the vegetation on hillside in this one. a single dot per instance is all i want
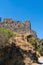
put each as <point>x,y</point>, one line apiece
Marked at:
<point>5,35</point>
<point>38,45</point>
<point>6,32</point>
<point>14,55</point>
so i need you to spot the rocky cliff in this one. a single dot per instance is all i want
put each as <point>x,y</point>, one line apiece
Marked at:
<point>19,44</point>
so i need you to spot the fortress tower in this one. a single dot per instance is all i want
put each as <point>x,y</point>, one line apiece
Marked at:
<point>27,22</point>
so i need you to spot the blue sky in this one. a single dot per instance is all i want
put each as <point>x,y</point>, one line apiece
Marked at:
<point>24,10</point>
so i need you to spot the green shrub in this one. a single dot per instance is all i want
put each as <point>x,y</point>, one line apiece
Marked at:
<point>5,35</point>
<point>6,32</point>
<point>33,41</point>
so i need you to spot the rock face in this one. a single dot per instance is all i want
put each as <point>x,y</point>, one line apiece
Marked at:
<point>17,26</point>
<point>14,49</point>
<point>11,55</point>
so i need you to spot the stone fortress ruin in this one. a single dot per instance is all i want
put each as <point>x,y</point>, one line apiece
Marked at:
<point>17,26</point>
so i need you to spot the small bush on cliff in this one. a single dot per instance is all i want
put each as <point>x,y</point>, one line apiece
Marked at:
<point>41,47</point>
<point>33,41</point>
<point>5,34</point>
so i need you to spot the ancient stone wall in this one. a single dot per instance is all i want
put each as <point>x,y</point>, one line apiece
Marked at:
<point>17,26</point>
